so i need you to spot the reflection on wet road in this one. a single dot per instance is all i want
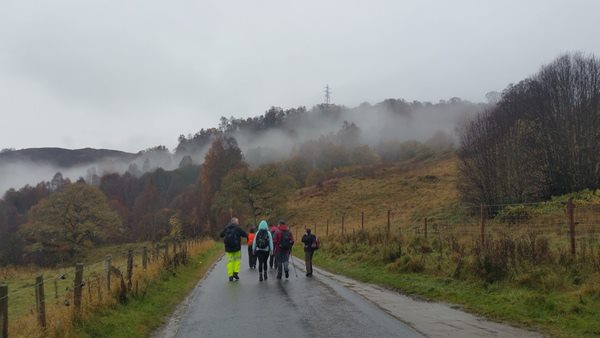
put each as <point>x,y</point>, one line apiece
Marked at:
<point>296,307</point>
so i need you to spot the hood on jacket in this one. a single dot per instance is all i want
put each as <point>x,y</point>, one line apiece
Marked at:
<point>263,225</point>
<point>283,227</point>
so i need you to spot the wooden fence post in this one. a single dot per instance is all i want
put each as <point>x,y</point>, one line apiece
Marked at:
<point>40,301</point>
<point>327,229</point>
<point>425,227</point>
<point>315,229</point>
<point>3,311</point>
<point>389,213</point>
<point>342,224</point>
<point>571,219</point>
<point>107,268</point>
<point>144,258</point>
<point>55,288</point>
<point>482,223</point>
<point>77,286</point>
<point>129,268</point>
<point>362,221</point>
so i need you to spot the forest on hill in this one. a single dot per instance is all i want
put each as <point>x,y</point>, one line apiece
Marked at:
<point>538,140</point>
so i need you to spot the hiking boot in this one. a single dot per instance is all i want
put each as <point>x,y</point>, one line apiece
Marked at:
<point>260,278</point>
<point>265,275</point>
<point>287,274</point>
<point>307,274</point>
<point>231,278</point>
<point>235,275</point>
<point>278,276</point>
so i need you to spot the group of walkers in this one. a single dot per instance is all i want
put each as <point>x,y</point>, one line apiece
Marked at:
<point>267,246</point>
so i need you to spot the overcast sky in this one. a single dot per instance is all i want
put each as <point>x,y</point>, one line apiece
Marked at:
<point>129,75</point>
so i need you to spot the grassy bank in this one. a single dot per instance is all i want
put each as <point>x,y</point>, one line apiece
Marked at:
<point>403,226</point>
<point>143,314</point>
<point>564,313</point>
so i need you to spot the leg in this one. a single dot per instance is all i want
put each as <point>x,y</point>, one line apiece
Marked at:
<point>250,255</point>
<point>286,262</point>
<point>279,264</point>
<point>237,261</point>
<point>307,262</point>
<point>309,267</point>
<point>230,263</point>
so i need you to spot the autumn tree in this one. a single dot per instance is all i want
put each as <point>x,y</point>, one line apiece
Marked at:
<point>69,221</point>
<point>223,156</point>
<point>258,194</point>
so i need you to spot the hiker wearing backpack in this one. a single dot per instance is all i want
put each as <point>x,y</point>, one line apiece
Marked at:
<point>232,235</point>
<point>251,255</point>
<point>311,243</point>
<point>284,240</point>
<point>274,229</point>
<point>262,246</point>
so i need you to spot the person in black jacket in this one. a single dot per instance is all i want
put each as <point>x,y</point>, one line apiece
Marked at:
<point>309,249</point>
<point>232,235</point>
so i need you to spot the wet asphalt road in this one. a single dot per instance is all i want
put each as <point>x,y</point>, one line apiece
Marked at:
<point>296,307</point>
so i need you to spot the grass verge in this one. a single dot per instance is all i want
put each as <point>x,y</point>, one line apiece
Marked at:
<point>140,316</point>
<point>560,314</point>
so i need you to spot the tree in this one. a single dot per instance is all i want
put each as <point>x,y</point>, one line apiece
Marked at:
<point>223,156</point>
<point>259,194</point>
<point>69,221</point>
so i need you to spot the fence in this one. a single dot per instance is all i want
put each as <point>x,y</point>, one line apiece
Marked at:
<point>569,227</point>
<point>54,302</point>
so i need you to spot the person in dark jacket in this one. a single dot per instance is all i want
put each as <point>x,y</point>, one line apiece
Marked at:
<point>274,229</point>
<point>308,239</point>
<point>283,242</point>
<point>232,235</point>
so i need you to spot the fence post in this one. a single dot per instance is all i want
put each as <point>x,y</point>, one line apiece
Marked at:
<point>3,311</point>
<point>315,229</point>
<point>362,221</point>
<point>144,258</point>
<point>327,229</point>
<point>107,268</point>
<point>129,268</point>
<point>570,213</point>
<point>482,223</point>
<point>40,301</point>
<point>77,286</point>
<point>425,227</point>
<point>388,223</point>
<point>296,226</point>
<point>342,224</point>
<point>55,288</point>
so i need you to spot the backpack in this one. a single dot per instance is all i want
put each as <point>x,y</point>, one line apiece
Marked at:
<point>285,241</point>
<point>231,237</point>
<point>316,244</point>
<point>262,240</point>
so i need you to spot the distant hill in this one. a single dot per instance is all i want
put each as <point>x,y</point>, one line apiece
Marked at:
<point>63,158</point>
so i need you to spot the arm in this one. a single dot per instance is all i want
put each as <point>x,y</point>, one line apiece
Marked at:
<point>271,247</point>
<point>254,243</point>
<point>222,233</point>
<point>242,233</point>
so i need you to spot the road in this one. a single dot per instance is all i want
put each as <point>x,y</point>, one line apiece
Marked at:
<point>326,305</point>
<point>296,307</point>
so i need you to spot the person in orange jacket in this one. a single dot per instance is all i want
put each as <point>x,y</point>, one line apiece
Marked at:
<point>251,255</point>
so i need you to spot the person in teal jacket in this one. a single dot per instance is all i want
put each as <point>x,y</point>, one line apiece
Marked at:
<point>262,248</point>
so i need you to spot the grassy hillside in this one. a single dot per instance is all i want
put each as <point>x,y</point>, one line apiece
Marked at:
<point>523,271</point>
<point>411,190</point>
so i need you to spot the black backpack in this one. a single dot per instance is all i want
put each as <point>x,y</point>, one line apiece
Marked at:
<point>231,237</point>
<point>262,239</point>
<point>285,242</point>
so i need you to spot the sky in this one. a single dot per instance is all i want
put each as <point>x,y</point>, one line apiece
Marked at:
<point>129,75</point>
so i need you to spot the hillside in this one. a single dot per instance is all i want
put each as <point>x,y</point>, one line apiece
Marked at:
<point>64,158</point>
<point>411,190</point>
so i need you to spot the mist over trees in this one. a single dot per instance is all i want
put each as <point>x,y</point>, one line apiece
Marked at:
<point>539,140</point>
<point>249,167</point>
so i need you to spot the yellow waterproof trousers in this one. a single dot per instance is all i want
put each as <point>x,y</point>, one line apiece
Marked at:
<point>233,262</point>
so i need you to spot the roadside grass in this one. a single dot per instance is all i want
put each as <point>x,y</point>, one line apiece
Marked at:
<point>21,280</point>
<point>524,273</point>
<point>559,313</point>
<point>159,280</point>
<point>141,315</point>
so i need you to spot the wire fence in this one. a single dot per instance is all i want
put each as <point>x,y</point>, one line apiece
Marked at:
<point>567,227</point>
<point>55,298</point>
